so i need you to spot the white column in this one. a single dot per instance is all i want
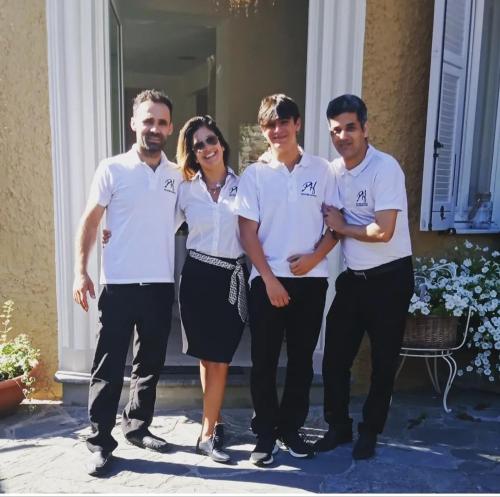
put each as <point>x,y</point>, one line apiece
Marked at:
<point>79,107</point>
<point>336,34</point>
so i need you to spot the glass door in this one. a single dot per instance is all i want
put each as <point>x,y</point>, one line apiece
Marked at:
<point>116,81</point>
<point>214,57</point>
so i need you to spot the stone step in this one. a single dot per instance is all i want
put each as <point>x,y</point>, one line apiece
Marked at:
<point>179,387</point>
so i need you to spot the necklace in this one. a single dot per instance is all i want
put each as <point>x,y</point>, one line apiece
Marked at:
<point>214,189</point>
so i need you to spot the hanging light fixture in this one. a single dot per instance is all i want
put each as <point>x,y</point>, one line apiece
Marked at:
<point>241,6</point>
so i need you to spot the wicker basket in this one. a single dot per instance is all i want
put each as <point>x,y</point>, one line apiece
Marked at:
<point>430,332</point>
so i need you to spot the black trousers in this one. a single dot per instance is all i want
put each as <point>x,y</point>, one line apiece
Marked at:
<point>148,309</point>
<point>300,323</point>
<point>378,305</point>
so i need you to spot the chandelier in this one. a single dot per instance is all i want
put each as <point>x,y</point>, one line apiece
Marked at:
<point>241,6</point>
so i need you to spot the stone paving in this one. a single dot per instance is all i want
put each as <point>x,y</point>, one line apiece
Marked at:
<point>423,450</point>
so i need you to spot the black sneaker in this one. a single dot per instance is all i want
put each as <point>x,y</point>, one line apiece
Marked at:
<point>98,463</point>
<point>212,449</point>
<point>295,443</point>
<point>262,454</point>
<point>364,448</point>
<point>333,438</point>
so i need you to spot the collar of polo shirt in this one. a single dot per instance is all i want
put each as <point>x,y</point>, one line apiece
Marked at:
<point>268,158</point>
<point>361,166</point>
<point>198,174</point>
<point>163,158</point>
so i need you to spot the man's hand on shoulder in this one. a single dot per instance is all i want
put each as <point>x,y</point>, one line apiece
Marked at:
<point>81,285</point>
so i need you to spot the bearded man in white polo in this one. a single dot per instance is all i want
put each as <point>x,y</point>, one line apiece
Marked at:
<point>137,190</point>
<point>374,292</point>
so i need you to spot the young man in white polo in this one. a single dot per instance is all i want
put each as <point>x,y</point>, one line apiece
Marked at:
<point>373,293</point>
<point>138,191</point>
<point>281,226</point>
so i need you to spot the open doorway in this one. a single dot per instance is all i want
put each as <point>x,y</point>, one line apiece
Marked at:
<point>211,58</point>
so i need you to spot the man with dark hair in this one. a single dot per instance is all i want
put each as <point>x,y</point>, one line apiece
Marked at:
<point>281,225</point>
<point>155,96</point>
<point>138,191</point>
<point>374,292</point>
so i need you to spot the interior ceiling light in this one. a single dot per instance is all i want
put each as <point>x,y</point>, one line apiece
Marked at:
<point>238,6</point>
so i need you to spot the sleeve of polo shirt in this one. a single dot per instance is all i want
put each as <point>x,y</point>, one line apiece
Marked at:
<point>332,196</point>
<point>389,187</point>
<point>247,198</point>
<point>180,216</point>
<point>101,188</point>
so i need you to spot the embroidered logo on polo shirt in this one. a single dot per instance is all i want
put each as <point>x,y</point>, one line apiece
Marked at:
<point>309,189</point>
<point>169,185</point>
<point>233,191</point>
<point>361,199</point>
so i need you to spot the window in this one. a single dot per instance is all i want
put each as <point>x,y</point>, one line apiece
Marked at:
<point>461,183</point>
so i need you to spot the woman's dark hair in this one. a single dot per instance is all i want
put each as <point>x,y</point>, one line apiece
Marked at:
<point>186,158</point>
<point>348,103</point>
<point>277,106</point>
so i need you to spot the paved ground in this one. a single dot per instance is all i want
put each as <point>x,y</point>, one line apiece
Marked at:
<point>424,450</point>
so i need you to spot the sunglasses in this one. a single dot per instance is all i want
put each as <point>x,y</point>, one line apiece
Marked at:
<point>211,140</point>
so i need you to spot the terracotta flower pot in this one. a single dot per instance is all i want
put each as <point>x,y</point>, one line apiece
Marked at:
<point>11,393</point>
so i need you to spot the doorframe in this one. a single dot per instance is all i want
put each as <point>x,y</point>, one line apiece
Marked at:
<point>80,111</point>
<point>336,35</point>
<point>80,114</point>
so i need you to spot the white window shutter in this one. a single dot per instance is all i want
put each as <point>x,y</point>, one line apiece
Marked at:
<point>447,87</point>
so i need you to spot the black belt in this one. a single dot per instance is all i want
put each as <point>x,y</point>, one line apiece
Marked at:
<point>382,269</point>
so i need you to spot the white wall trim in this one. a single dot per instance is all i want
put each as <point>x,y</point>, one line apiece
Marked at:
<point>336,36</point>
<point>79,117</point>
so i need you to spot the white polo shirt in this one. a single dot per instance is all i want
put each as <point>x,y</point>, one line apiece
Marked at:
<point>287,206</point>
<point>140,212</point>
<point>213,226</point>
<point>376,184</point>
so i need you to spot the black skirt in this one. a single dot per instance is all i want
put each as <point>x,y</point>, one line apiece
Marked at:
<point>211,325</point>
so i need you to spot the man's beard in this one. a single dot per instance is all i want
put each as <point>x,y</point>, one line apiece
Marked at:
<point>149,147</point>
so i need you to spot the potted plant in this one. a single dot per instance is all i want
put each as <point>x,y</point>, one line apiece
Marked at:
<point>445,289</point>
<point>18,359</point>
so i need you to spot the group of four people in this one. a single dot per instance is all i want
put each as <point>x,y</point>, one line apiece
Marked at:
<point>286,212</point>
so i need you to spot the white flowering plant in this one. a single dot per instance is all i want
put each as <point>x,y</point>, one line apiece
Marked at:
<point>468,278</point>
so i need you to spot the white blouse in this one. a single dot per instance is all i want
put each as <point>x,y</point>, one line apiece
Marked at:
<point>213,226</point>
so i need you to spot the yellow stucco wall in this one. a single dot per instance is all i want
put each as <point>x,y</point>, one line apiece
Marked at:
<point>396,67</point>
<point>27,268</point>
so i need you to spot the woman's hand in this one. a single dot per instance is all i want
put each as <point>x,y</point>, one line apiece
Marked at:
<point>106,235</point>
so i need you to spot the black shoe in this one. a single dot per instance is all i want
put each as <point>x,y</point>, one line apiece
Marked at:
<point>98,463</point>
<point>149,441</point>
<point>333,438</point>
<point>295,443</point>
<point>213,449</point>
<point>219,435</point>
<point>364,448</point>
<point>262,454</point>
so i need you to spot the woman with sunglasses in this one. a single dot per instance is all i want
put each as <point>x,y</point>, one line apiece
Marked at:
<point>213,286</point>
